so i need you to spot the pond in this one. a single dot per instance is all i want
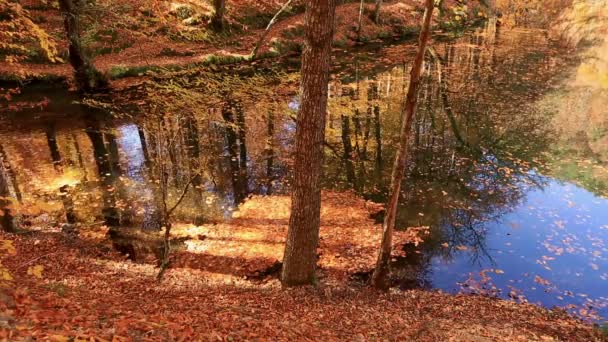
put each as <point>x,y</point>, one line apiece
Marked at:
<point>508,165</point>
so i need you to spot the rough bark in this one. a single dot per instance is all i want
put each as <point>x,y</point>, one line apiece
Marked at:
<point>299,261</point>
<point>380,278</point>
<point>218,21</point>
<point>88,79</point>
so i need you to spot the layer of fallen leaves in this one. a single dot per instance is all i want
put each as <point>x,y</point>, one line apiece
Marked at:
<point>79,287</point>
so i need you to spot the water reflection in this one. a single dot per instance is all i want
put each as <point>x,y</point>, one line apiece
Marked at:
<point>480,152</point>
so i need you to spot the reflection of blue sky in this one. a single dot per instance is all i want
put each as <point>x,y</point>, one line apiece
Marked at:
<point>559,233</point>
<point>130,146</point>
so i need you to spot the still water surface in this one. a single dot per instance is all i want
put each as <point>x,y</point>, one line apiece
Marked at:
<point>514,193</point>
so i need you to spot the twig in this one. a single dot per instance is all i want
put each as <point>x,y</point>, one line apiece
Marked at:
<point>35,259</point>
<point>181,198</point>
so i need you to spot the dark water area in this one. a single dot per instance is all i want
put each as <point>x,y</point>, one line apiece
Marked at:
<point>515,207</point>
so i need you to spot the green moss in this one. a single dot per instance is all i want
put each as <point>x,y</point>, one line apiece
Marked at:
<point>122,71</point>
<point>59,288</point>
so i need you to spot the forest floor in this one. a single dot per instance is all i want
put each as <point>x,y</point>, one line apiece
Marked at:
<point>133,43</point>
<point>61,288</point>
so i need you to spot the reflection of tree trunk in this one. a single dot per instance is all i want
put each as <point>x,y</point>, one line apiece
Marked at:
<point>269,153</point>
<point>51,138</point>
<point>6,218</point>
<point>242,132</point>
<point>443,90</point>
<point>114,155</point>
<point>170,144</point>
<point>88,79</point>
<point>68,204</point>
<point>366,132</point>
<point>380,278</point>
<point>348,150</point>
<point>378,136</point>
<point>107,178</point>
<point>81,164</point>
<point>191,132</point>
<point>228,113</point>
<point>144,145</point>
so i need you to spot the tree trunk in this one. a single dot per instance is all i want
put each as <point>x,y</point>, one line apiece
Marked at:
<point>380,278</point>
<point>378,138</point>
<point>269,153</point>
<point>6,218</point>
<point>377,11</point>
<point>360,21</point>
<point>242,131</point>
<point>218,18</point>
<point>236,150</point>
<point>88,79</point>
<point>348,151</point>
<point>299,261</point>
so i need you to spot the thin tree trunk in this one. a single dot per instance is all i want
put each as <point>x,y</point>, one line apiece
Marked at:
<point>144,145</point>
<point>360,21</point>
<point>377,10</point>
<point>299,261</point>
<point>51,138</point>
<point>242,131</point>
<point>6,218</point>
<point>378,138</point>
<point>380,278</point>
<point>64,191</point>
<point>254,52</point>
<point>218,21</point>
<point>235,151</point>
<point>269,153</point>
<point>88,79</point>
<point>79,156</point>
<point>348,150</point>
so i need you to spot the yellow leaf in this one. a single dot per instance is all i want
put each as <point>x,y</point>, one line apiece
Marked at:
<point>36,271</point>
<point>4,275</point>
<point>59,338</point>
<point>7,245</point>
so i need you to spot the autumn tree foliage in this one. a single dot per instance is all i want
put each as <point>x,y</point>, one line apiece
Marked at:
<point>19,35</point>
<point>381,273</point>
<point>299,261</point>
